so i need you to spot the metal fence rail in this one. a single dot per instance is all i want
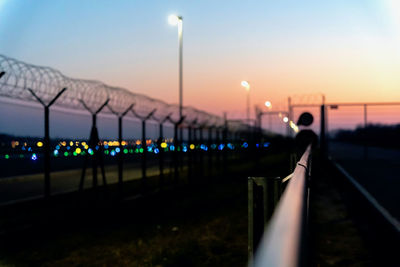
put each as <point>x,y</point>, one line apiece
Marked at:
<point>281,244</point>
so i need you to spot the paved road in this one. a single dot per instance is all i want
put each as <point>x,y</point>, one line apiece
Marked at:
<point>379,173</point>
<point>31,186</point>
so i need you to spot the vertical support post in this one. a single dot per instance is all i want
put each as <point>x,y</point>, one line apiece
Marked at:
<point>194,153</point>
<point>250,216</point>
<point>270,122</point>
<point>144,154</point>
<point>290,116</point>
<point>180,36</point>
<point>210,151</point>
<point>365,133</point>
<point>120,157</point>
<point>190,153</point>
<point>322,132</point>
<point>258,212</point>
<point>161,157</point>
<point>47,189</point>
<point>225,142</point>
<point>46,152</point>
<point>176,159</point>
<point>201,151</point>
<point>248,108</point>
<point>180,146</point>
<point>95,151</point>
<point>218,141</point>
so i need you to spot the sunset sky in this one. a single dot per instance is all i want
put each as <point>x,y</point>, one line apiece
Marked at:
<point>347,49</point>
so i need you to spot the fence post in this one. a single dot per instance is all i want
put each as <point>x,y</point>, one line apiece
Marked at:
<point>46,152</point>
<point>322,132</point>
<point>176,159</point>
<point>161,157</point>
<point>365,133</point>
<point>47,189</point>
<point>144,154</point>
<point>210,150</point>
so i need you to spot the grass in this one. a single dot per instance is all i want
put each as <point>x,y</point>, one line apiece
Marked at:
<point>200,225</point>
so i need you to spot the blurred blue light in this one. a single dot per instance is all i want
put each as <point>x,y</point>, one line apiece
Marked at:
<point>56,152</point>
<point>90,151</point>
<point>57,147</point>
<point>221,146</point>
<point>112,153</point>
<point>97,147</point>
<point>245,145</point>
<point>149,149</point>
<point>34,157</point>
<point>184,149</point>
<point>266,144</point>
<point>29,149</point>
<point>257,145</point>
<point>117,150</point>
<point>156,151</point>
<point>172,147</point>
<point>68,147</point>
<point>105,146</point>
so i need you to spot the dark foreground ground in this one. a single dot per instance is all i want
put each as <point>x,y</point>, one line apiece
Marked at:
<point>193,224</point>
<point>204,224</point>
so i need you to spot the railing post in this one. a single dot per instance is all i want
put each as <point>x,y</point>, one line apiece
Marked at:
<point>257,211</point>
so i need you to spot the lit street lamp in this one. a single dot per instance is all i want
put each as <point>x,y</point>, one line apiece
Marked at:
<point>246,85</point>
<point>285,119</point>
<point>178,20</point>
<point>268,104</point>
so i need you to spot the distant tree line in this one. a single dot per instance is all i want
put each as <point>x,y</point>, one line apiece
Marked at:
<point>372,135</point>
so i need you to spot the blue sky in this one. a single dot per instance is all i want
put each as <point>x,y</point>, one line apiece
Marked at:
<point>340,48</point>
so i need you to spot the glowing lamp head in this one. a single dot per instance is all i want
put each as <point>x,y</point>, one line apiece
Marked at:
<point>268,104</point>
<point>246,85</point>
<point>285,119</point>
<point>173,20</point>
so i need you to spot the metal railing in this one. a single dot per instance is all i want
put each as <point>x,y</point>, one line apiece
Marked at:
<point>281,243</point>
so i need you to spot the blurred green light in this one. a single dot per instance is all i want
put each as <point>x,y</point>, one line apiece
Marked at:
<point>7,156</point>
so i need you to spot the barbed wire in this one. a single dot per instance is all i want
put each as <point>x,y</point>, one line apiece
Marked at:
<point>21,80</point>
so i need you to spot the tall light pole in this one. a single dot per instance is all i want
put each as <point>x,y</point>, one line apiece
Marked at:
<point>178,20</point>
<point>246,85</point>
